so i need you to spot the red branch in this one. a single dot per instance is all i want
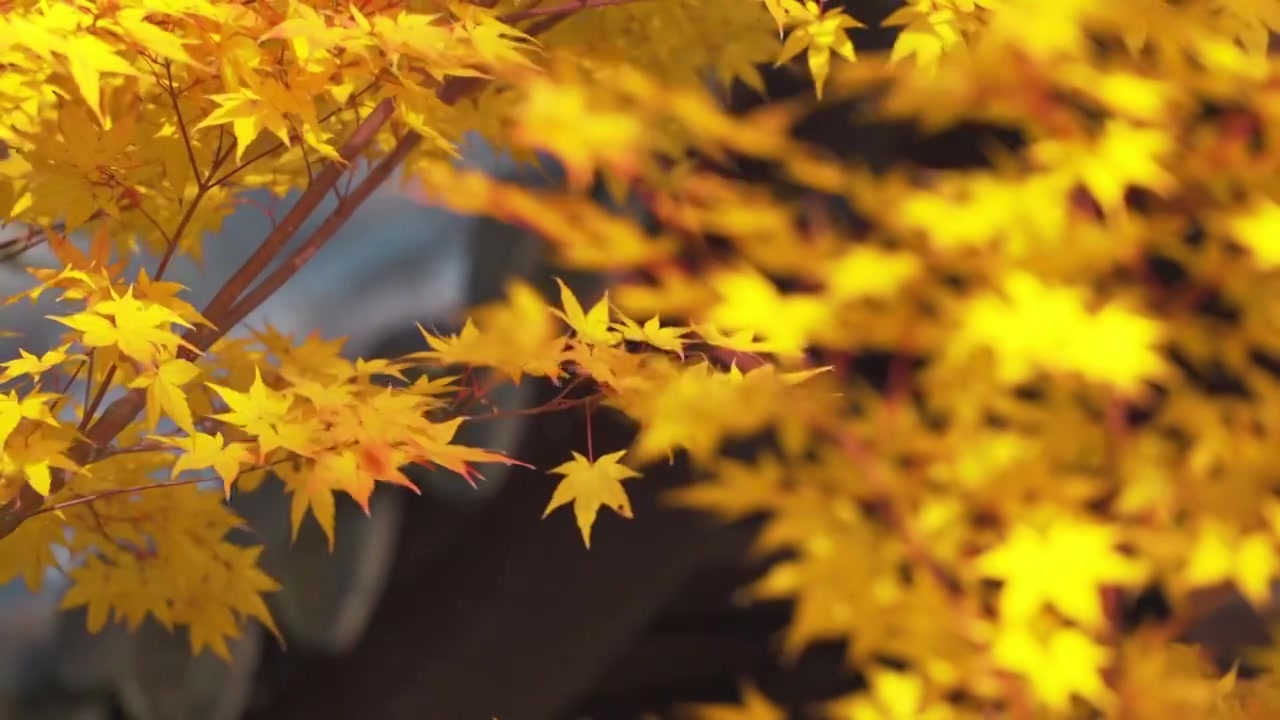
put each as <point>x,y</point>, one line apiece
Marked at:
<point>236,299</point>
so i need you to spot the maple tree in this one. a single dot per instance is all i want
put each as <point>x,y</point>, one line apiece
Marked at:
<point>1050,439</point>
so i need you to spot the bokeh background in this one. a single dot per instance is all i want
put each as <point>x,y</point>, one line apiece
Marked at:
<point>462,604</point>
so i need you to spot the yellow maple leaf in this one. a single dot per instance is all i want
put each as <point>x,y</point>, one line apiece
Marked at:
<point>1219,555</point>
<point>589,485</point>
<point>36,453</point>
<point>210,624</point>
<point>821,33</point>
<point>139,328</point>
<point>201,450</point>
<point>35,366</point>
<point>263,413</point>
<point>865,271</point>
<point>562,119</point>
<point>735,490</point>
<point>465,347</point>
<point>29,550</point>
<point>494,41</point>
<point>1060,664</point>
<point>308,492</point>
<point>653,333</point>
<point>164,392</point>
<point>88,57</point>
<point>1125,155</point>
<point>779,15</point>
<point>310,34</point>
<point>929,31</point>
<point>521,333</point>
<point>133,24</point>
<point>248,114</point>
<point>1031,325</point>
<point>1064,565</point>
<point>742,341</point>
<point>1023,324</point>
<point>342,469</point>
<point>516,340</point>
<point>591,326</point>
<point>1257,228</point>
<point>33,406</point>
<point>246,582</point>
<point>894,696</point>
<point>94,586</point>
<point>750,301</point>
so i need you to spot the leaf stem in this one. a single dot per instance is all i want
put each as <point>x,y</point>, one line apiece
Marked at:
<point>591,453</point>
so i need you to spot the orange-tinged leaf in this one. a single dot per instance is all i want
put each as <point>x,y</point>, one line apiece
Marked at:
<point>342,470</point>
<point>433,445</point>
<point>308,492</point>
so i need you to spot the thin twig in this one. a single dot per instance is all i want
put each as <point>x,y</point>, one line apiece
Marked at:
<point>87,499</point>
<point>93,406</point>
<point>182,126</point>
<point>88,383</point>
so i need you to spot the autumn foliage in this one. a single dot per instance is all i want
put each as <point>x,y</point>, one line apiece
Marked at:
<point>1063,424</point>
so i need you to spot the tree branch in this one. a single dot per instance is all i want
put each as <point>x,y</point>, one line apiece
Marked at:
<point>122,411</point>
<point>227,305</point>
<point>311,198</point>
<point>318,238</point>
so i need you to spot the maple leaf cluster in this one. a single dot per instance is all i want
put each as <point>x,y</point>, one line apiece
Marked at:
<point>1049,440</point>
